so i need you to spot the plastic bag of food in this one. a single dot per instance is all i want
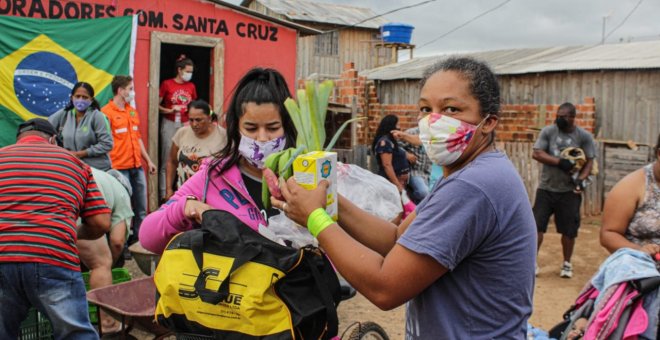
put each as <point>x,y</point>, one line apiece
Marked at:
<point>287,233</point>
<point>370,192</point>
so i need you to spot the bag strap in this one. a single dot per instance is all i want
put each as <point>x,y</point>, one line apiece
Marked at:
<point>330,308</point>
<point>207,295</point>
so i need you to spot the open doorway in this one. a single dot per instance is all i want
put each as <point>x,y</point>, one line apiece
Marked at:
<point>201,57</point>
<point>208,76</point>
<point>202,78</point>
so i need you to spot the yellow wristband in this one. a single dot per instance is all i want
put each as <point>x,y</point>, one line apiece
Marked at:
<point>318,220</point>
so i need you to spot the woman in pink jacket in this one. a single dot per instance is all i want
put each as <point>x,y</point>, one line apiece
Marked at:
<point>257,125</point>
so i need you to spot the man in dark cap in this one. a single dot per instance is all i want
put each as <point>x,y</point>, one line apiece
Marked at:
<point>43,191</point>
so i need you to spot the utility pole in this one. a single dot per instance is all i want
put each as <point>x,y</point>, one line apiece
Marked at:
<point>602,35</point>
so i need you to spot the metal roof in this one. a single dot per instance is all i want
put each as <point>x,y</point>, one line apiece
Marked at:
<point>318,12</point>
<point>304,30</point>
<point>634,55</point>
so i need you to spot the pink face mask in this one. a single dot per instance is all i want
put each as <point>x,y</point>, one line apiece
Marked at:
<point>445,138</point>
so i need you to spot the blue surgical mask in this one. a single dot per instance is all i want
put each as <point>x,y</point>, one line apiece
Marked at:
<point>81,104</point>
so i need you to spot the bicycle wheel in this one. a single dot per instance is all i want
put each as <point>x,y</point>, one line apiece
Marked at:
<point>368,331</point>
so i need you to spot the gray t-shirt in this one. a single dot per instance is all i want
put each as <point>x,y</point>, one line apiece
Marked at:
<point>553,141</point>
<point>478,223</point>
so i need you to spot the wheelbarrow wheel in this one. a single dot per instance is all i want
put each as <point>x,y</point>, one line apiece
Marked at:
<point>368,331</point>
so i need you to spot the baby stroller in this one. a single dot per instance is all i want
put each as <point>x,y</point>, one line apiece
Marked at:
<point>620,301</point>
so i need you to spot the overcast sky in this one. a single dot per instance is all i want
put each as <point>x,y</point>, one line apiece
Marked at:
<point>518,23</point>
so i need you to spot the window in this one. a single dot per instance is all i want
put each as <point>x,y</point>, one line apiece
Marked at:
<point>327,44</point>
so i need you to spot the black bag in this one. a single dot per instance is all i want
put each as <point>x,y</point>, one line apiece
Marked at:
<point>226,281</point>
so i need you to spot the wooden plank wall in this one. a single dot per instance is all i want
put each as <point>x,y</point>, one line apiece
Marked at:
<point>627,101</point>
<point>620,161</point>
<point>520,154</point>
<point>355,45</point>
<point>614,163</point>
<point>404,91</point>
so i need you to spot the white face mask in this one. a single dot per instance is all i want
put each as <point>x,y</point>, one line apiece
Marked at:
<point>256,152</point>
<point>445,138</point>
<point>129,98</point>
<point>186,76</point>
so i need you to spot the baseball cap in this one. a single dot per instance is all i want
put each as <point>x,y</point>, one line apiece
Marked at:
<point>37,124</point>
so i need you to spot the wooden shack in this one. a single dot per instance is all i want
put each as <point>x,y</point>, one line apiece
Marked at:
<point>349,35</point>
<point>623,78</point>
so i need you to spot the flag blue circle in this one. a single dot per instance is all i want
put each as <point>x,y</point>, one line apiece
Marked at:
<point>43,82</point>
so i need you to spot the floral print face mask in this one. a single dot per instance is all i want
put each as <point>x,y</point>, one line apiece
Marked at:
<point>445,138</point>
<point>256,152</point>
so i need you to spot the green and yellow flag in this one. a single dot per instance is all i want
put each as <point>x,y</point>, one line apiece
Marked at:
<point>42,59</point>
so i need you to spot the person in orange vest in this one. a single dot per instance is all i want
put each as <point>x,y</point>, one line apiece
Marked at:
<point>128,151</point>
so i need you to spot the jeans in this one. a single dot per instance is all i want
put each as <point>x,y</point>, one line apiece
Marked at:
<point>419,189</point>
<point>167,130</point>
<point>56,292</point>
<point>139,198</point>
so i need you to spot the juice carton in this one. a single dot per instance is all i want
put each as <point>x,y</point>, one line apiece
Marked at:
<point>311,168</point>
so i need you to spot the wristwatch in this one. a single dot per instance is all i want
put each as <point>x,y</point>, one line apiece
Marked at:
<point>191,198</point>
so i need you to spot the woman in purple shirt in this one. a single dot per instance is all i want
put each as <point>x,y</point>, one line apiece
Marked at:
<point>464,261</point>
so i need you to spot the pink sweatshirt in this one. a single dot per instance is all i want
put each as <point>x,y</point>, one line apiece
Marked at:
<point>225,192</point>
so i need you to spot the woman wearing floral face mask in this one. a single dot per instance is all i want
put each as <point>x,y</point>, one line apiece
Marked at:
<point>83,129</point>
<point>174,96</point>
<point>464,260</point>
<point>257,125</point>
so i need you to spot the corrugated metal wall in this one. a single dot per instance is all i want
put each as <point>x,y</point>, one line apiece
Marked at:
<point>627,101</point>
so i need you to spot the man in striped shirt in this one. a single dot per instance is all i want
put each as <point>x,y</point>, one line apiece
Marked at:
<point>43,190</point>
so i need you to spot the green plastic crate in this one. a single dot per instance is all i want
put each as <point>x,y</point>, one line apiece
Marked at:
<point>119,275</point>
<point>35,327</point>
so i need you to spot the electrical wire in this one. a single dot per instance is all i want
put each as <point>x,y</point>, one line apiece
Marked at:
<point>380,15</point>
<point>624,19</point>
<point>463,24</point>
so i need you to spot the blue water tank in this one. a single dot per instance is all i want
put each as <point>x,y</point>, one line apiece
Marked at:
<point>396,33</point>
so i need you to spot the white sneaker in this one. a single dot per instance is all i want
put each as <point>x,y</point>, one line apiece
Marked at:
<point>536,271</point>
<point>566,270</point>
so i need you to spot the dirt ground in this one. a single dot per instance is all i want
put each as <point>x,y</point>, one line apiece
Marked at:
<point>552,295</point>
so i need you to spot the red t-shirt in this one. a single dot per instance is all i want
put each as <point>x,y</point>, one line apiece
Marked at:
<point>174,93</point>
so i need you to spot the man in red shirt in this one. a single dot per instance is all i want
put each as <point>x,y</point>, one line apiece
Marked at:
<point>128,151</point>
<point>43,191</point>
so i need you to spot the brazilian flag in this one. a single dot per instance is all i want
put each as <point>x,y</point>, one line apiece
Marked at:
<point>42,59</point>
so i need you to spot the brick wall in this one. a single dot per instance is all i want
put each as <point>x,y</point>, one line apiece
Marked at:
<point>517,122</point>
<point>523,122</point>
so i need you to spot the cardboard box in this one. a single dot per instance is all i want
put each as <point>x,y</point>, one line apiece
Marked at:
<point>311,168</point>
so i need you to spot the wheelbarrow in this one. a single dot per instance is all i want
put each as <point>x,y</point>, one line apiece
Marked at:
<point>146,260</point>
<point>133,303</point>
